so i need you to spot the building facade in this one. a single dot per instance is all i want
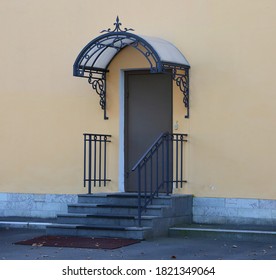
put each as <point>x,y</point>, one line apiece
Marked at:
<point>229,159</point>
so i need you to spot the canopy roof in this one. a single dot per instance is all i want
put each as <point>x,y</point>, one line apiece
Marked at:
<point>162,56</point>
<point>99,53</point>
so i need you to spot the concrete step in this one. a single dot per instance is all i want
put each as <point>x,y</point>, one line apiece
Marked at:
<point>152,210</point>
<point>246,232</point>
<point>122,199</point>
<point>104,219</point>
<point>110,198</point>
<point>99,231</point>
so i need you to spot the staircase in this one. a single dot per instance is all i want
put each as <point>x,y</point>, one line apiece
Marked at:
<point>116,215</point>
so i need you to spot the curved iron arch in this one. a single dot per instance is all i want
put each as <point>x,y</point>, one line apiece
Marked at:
<point>93,51</point>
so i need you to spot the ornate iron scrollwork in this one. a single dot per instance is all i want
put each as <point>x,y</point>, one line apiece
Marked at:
<point>181,77</point>
<point>97,79</point>
<point>182,81</point>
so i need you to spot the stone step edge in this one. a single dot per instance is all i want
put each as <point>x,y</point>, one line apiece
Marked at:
<point>95,227</point>
<point>29,225</point>
<point>129,195</point>
<point>245,231</point>
<point>105,216</point>
<point>94,205</point>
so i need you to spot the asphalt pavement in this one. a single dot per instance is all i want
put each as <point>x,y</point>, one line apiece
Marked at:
<point>166,248</point>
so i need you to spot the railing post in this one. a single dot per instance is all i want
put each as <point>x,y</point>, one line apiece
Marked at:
<point>95,159</point>
<point>176,159</point>
<point>145,181</point>
<point>151,175</point>
<point>168,161</point>
<point>157,171</point>
<point>89,164</point>
<point>100,161</point>
<point>139,197</point>
<point>181,155</point>
<point>163,164</point>
<point>84,161</point>
<point>105,140</point>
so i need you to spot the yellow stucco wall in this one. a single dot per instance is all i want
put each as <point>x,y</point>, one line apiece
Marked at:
<point>44,110</point>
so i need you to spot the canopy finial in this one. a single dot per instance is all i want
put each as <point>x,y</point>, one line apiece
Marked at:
<point>117,28</point>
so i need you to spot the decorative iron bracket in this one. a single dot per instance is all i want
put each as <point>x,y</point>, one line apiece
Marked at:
<point>181,77</point>
<point>182,81</point>
<point>97,79</point>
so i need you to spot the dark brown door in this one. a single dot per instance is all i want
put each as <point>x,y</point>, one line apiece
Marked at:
<point>148,113</point>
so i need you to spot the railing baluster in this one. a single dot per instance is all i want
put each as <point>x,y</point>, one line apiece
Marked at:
<point>157,173</point>
<point>95,159</point>
<point>84,163</point>
<point>100,161</point>
<point>105,140</point>
<point>176,155</point>
<point>139,196</point>
<point>89,165</point>
<point>163,165</point>
<point>168,161</point>
<point>145,180</point>
<point>151,173</point>
<point>181,165</point>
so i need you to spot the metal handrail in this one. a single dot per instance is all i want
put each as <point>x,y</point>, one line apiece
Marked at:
<point>144,156</point>
<point>171,146</point>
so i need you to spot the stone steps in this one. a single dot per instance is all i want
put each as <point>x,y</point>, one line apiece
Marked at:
<point>116,215</point>
<point>156,210</point>
<point>121,199</point>
<point>103,219</point>
<point>99,231</point>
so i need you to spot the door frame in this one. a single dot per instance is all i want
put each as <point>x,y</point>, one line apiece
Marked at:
<point>121,179</point>
<point>122,118</point>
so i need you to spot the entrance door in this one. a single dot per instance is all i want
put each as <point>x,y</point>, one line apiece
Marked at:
<point>148,113</point>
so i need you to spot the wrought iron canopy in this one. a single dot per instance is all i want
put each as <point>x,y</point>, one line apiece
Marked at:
<point>162,56</point>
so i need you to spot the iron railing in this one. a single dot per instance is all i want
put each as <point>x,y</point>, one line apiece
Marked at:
<point>159,169</point>
<point>95,151</point>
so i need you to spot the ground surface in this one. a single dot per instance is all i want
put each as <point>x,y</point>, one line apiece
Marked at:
<point>191,248</point>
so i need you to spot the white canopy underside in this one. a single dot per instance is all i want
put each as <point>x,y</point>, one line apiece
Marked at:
<point>166,50</point>
<point>100,55</point>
